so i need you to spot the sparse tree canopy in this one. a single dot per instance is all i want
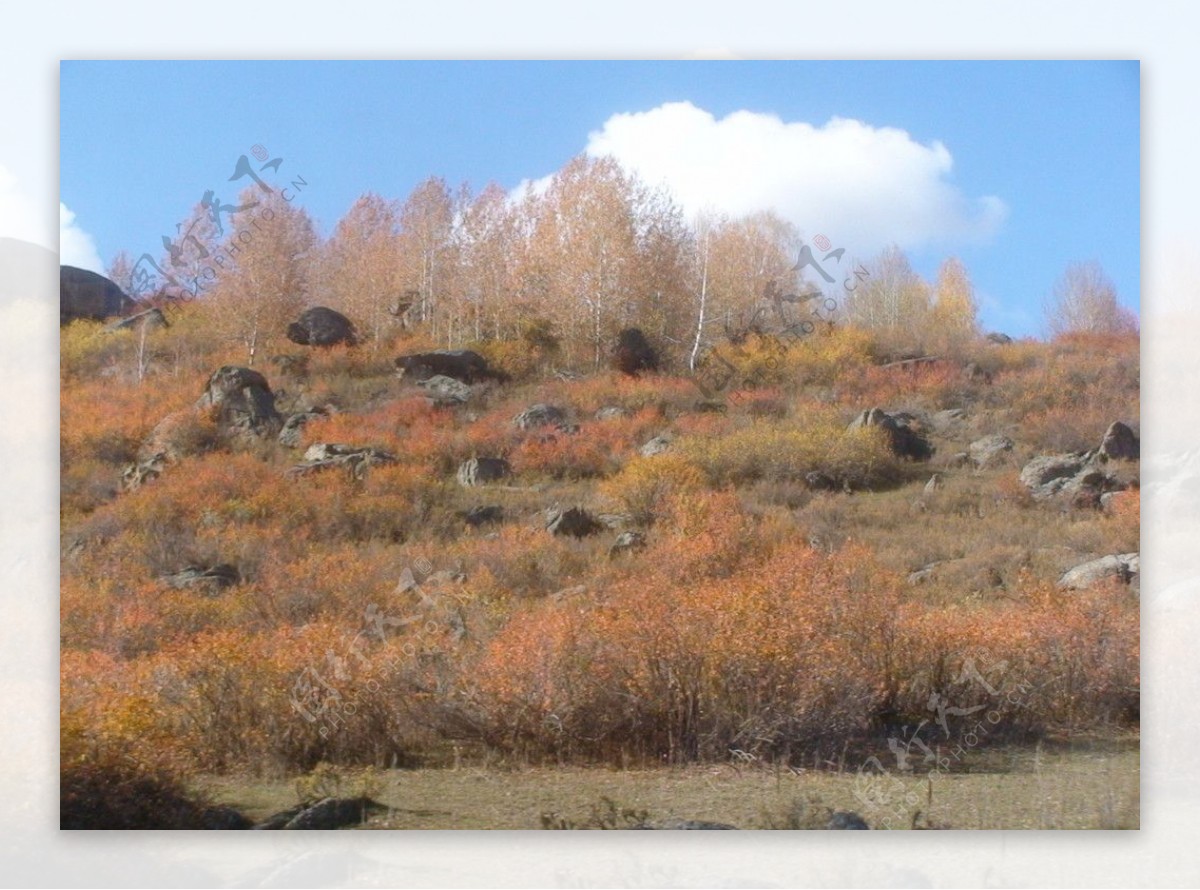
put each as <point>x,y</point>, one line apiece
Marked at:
<point>1084,301</point>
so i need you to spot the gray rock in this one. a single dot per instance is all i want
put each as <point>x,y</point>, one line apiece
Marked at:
<point>989,451</point>
<point>627,542</point>
<point>446,390</point>
<point>1045,476</point>
<point>540,415</point>
<point>293,427</point>
<point>998,338</point>
<point>657,445</point>
<point>481,470</point>
<point>1125,567</point>
<point>574,521</point>
<point>1120,443</point>
<point>611,412</point>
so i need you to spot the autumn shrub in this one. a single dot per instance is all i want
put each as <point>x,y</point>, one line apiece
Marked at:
<point>643,484</point>
<point>816,443</point>
<point>657,669</point>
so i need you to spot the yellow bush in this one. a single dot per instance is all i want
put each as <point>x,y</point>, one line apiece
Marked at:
<point>645,481</point>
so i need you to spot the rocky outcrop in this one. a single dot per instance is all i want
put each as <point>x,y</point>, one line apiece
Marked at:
<point>321,326</point>
<point>1079,477</point>
<point>242,402</point>
<point>355,460</point>
<point>1123,567</point>
<point>83,294</point>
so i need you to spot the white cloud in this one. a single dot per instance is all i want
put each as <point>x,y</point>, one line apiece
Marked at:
<point>75,246</point>
<point>20,217</point>
<point>863,187</point>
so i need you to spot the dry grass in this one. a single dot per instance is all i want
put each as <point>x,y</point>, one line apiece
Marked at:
<point>1092,787</point>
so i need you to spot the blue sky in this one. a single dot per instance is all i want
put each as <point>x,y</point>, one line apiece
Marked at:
<point>1018,168</point>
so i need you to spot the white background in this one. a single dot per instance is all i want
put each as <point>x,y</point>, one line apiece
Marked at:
<point>1164,853</point>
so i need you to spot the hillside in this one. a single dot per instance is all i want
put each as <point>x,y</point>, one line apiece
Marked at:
<point>667,569</point>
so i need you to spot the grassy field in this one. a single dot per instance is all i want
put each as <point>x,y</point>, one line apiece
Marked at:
<point>1027,788</point>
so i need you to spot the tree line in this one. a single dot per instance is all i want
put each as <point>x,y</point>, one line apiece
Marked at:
<point>593,251</point>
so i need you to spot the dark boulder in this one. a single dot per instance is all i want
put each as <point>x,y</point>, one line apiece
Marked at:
<point>843,820</point>
<point>242,401</point>
<point>461,364</point>
<point>903,437</point>
<point>321,326</point>
<point>85,294</point>
<point>575,521</point>
<point>1120,443</point>
<point>633,353</point>
<point>482,515</point>
<point>324,815</point>
<point>481,470</point>
<point>998,338</point>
